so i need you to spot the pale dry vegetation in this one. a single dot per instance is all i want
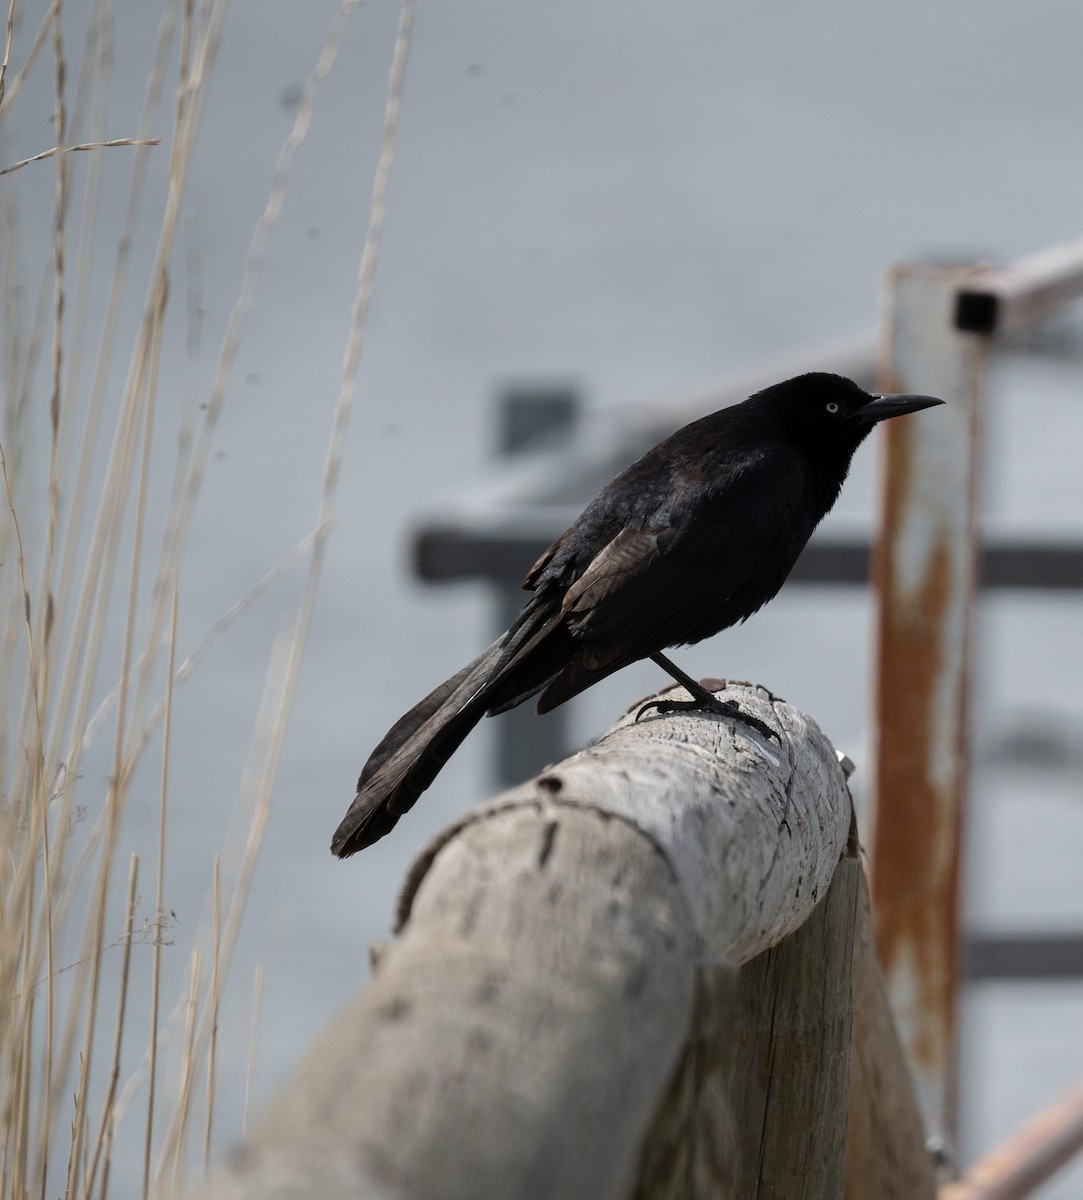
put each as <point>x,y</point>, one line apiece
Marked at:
<point>89,585</point>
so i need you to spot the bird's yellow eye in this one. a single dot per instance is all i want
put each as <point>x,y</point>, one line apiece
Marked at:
<point>832,407</point>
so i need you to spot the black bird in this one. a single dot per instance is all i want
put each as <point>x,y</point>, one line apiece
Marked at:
<point>695,536</point>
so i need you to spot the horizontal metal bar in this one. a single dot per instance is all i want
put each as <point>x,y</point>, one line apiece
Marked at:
<point>503,553</point>
<point>1023,956</point>
<point>1022,292</point>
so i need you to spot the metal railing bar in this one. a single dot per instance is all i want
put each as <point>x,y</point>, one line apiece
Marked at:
<point>1008,297</point>
<point>988,957</point>
<point>503,551</point>
<point>1022,1164</point>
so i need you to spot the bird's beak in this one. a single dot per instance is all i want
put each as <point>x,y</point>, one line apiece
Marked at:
<point>881,408</point>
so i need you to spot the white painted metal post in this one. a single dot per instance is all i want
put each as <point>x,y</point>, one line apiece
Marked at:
<point>925,569</point>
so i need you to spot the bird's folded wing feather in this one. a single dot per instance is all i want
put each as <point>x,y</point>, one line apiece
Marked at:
<point>645,589</point>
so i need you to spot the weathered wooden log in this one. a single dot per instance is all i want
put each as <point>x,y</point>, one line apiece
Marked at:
<point>758,1107</point>
<point>886,1155</point>
<point>533,1029</point>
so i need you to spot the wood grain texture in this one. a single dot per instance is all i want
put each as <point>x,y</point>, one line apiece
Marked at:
<point>885,1142</point>
<point>790,1043</point>
<point>515,1038</point>
<point>560,954</point>
<point>757,1109</point>
<point>753,828</point>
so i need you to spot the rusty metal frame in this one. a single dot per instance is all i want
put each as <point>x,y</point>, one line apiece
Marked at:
<point>996,299</point>
<point>925,573</point>
<point>926,569</point>
<point>1022,1164</point>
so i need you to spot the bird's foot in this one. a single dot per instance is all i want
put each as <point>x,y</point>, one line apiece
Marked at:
<point>709,703</point>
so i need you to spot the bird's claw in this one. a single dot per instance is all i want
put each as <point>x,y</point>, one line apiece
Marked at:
<point>725,708</point>
<point>661,706</point>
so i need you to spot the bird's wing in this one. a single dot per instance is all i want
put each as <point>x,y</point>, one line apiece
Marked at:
<point>709,562</point>
<point>534,575</point>
<point>706,559</point>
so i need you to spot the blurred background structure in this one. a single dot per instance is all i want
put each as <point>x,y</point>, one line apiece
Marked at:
<point>619,199</point>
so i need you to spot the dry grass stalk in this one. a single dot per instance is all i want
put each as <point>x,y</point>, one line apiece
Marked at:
<point>214,1002</point>
<point>253,1036</point>
<point>159,897</point>
<point>79,585</point>
<point>55,150</point>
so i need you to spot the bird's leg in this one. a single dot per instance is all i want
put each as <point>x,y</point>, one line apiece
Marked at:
<point>704,700</point>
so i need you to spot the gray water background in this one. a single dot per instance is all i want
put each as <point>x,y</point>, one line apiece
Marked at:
<point>634,198</point>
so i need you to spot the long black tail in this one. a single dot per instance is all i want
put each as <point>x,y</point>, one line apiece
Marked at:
<point>412,752</point>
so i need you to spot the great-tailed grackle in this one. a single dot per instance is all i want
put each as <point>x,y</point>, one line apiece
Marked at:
<point>693,537</point>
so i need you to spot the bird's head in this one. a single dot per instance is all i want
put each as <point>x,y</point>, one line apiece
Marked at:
<point>830,412</point>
